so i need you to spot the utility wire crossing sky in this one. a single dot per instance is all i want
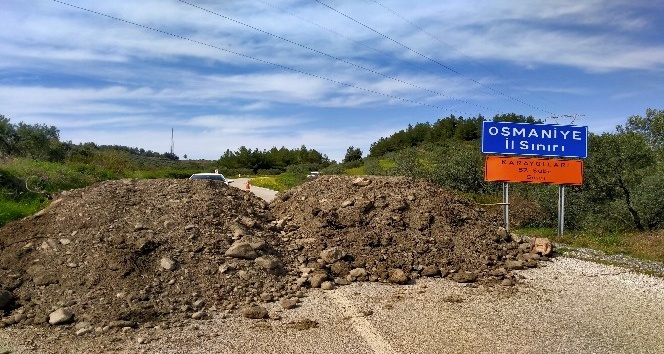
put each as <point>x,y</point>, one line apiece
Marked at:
<point>326,74</point>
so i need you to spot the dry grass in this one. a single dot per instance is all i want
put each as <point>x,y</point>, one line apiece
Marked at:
<point>643,245</point>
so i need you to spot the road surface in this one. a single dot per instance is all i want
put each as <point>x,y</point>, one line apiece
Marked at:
<point>264,193</point>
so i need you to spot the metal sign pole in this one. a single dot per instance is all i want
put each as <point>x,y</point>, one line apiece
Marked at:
<point>506,205</point>
<point>561,209</point>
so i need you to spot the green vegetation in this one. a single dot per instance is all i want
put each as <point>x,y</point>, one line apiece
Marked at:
<point>643,245</point>
<point>619,208</point>
<point>278,183</point>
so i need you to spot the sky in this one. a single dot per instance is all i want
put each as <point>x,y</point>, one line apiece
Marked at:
<point>326,74</point>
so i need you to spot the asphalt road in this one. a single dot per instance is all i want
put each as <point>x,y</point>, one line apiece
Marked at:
<point>264,193</point>
<point>569,306</point>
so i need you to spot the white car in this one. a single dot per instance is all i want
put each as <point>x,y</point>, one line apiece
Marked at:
<point>314,174</point>
<point>211,176</point>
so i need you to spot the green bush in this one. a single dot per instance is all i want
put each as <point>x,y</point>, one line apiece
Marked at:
<point>648,199</point>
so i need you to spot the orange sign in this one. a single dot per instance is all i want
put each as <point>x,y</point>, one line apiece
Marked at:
<point>533,170</point>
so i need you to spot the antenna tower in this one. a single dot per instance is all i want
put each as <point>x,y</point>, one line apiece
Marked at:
<point>172,142</point>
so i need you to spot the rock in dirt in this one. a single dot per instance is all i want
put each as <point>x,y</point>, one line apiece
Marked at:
<point>332,255</point>
<point>317,279</point>
<point>397,276</point>
<point>464,277</point>
<point>241,249</point>
<point>288,304</point>
<point>514,265</point>
<point>60,316</point>
<point>268,262</point>
<point>255,312</point>
<point>6,297</point>
<point>167,263</point>
<point>542,246</point>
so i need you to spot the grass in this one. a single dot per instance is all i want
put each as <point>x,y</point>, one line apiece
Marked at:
<point>278,183</point>
<point>357,171</point>
<point>642,245</point>
<point>13,210</point>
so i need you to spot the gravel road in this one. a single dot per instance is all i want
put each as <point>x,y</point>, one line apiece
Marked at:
<point>263,193</point>
<point>569,306</point>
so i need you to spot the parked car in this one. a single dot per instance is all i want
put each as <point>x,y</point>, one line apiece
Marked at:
<point>314,174</point>
<point>211,176</point>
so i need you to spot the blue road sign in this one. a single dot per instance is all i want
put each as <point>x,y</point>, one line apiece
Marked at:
<point>534,139</point>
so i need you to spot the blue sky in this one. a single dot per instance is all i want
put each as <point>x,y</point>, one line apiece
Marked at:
<point>327,74</point>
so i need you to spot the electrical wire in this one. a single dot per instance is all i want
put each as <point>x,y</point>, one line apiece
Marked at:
<point>447,67</point>
<point>422,30</point>
<point>358,66</point>
<point>419,103</point>
<point>419,67</point>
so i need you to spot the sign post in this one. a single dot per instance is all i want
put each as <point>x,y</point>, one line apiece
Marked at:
<point>561,210</point>
<point>556,150</point>
<point>527,139</point>
<point>506,205</point>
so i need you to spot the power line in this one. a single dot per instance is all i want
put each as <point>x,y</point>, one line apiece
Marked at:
<point>428,58</point>
<point>366,46</point>
<point>436,93</point>
<point>257,59</point>
<point>421,29</point>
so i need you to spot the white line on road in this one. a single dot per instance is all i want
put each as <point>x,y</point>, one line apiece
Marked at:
<point>361,325</point>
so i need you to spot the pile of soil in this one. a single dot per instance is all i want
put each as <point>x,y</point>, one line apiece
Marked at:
<point>395,229</point>
<point>120,253</point>
<point>137,250</point>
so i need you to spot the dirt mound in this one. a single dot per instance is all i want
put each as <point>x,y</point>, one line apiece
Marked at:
<point>121,253</point>
<point>139,250</point>
<point>394,229</point>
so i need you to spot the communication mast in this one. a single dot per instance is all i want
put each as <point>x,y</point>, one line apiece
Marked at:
<point>172,142</point>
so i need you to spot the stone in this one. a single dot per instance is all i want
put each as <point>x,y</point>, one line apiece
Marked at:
<point>198,304</point>
<point>6,298</point>
<point>254,312</point>
<point>288,304</point>
<point>397,276</point>
<point>199,315</point>
<point>542,246</point>
<point>431,271</point>
<point>241,249</point>
<point>361,182</point>
<point>268,262</point>
<point>507,282</point>
<point>464,277</point>
<point>60,316</point>
<point>256,243</point>
<point>122,324</point>
<point>83,331</point>
<point>332,255</point>
<point>514,265</point>
<point>167,264</point>
<point>347,203</point>
<point>357,274</point>
<point>317,279</point>
<point>327,285</point>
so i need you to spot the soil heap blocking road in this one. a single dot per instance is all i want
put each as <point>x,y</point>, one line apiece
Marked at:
<point>394,229</point>
<point>122,253</point>
<point>132,251</point>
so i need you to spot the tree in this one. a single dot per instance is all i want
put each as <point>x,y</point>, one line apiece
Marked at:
<point>7,136</point>
<point>616,166</point>
<point>515,118</point>
<point>651,127</point>
<point>353,154</point>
